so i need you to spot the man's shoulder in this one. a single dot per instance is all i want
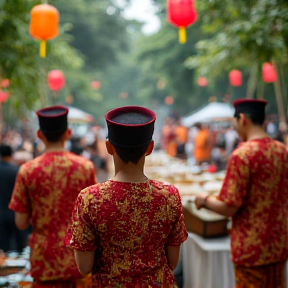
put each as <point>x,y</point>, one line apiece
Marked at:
<point>79,159</point>
<point>164,187</point>
<point>94,191</point>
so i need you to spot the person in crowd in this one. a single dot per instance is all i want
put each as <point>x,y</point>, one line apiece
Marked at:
<point>44,195</point>
<point>165,135</point>
<point>11,238</point>
<point>219,156</point>
<point>181,138</point>
<point>128,230</point>
<point>202,150</point>
<point>255,195</point>
<point>231,136</point>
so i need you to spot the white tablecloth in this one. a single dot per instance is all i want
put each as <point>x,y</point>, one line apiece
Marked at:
<point>207,263</point>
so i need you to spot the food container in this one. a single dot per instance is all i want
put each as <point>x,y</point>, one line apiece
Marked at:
<point>203,222</point>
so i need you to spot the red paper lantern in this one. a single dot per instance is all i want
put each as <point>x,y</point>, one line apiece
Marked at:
<point>44,24</point>
<point>169,100</point>
<point>56,80</point>
<point>3,96</point>
<point>202,81</point>
<point>269,73</point>
<point>235,78</point>
<point>95,85</point>
<point>181,13</point>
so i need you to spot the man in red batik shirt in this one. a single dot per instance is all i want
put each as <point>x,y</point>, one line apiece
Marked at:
<point>44,195</point>
<point>128,229</point>
<point>255,195</point>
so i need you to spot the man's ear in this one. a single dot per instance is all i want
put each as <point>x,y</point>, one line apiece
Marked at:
<point>242,119</point>
<point>150,148</point>
<point>109,147</point>
<point>40,135</point>
<point>68,133</point>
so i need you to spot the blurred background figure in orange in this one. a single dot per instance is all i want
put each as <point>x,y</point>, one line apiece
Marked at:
<point>202,150</point>
<point>181,138</point>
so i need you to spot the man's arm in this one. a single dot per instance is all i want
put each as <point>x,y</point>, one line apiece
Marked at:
<point>85,261</point>
<point>210,202</point>
<point>22,220</point>
<point>172,254</point>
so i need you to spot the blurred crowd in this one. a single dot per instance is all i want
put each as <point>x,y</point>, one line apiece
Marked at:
<point>208,144</point>
<point>26,146</point>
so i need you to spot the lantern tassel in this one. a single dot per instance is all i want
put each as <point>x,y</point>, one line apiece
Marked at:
<point>182,35</point>
<point>43,49</point>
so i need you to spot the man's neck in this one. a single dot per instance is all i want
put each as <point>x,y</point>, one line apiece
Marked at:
<point>129,172</point>
<point>55,147</point>
<point>256,132</point>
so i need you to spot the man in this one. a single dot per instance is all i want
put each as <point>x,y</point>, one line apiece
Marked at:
<point>202,150</point>
<point>181,134</point>
<point>44,195</point>
<point>130,226</point>
<point>255,195</point>
<point>11,238</point>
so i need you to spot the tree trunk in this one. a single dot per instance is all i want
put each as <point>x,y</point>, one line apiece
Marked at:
<point>252,81</point>
<point>279,99</point>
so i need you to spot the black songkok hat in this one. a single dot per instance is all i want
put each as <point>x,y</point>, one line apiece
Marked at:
<point>250,106</point>
<point>53,119</point>
<point>130,126</point>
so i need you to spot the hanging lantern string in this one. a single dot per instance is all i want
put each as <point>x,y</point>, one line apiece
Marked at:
<point>43,48</point>
<point>182,35</point>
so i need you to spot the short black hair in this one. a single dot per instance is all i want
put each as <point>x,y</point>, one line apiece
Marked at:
<point>54,136</point>
<point>5,151</point>
<point>256,119</point>
<point>131,154</point>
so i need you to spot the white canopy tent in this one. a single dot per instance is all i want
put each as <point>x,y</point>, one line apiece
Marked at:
<point>210,112</point>
<point>78,115</point>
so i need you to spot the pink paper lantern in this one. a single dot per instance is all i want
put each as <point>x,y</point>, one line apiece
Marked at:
<point>202,81</point>
<point>3,96</point>
<point>95,84</point>
<point>169,100</point>
<point>235,78</point>
<point>269,73</point>
<point>55,80</point>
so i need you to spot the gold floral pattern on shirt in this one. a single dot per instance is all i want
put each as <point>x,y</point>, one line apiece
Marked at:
<point>257,183</point>
<point>47,188</point>
<point>129,225</point>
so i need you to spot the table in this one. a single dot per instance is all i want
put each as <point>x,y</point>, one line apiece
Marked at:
<point>207,263</point>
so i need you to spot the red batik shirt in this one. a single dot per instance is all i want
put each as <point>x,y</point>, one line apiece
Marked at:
<point>129,225</point>
<point>47,188</point>
<point>257,183</point>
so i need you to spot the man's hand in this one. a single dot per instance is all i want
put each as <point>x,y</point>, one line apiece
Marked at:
<point>200,200</point>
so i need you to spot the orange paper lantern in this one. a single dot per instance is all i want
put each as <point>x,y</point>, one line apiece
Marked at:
<point>4,83</point>
<point>181,13</point>
<point>44,24</point>
<point>235,78</point>
<point>269,74</point>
